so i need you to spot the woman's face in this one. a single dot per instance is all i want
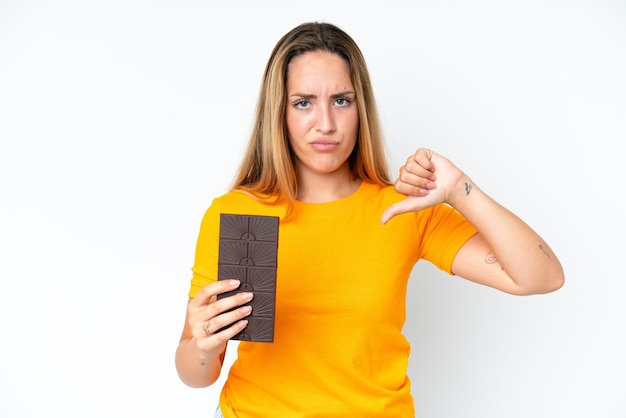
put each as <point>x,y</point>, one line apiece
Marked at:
<point>322,116</point>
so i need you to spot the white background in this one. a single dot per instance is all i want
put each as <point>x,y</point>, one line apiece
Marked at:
<point>121,120</point>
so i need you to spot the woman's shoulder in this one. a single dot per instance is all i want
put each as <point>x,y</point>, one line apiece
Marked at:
<point>247,203</point>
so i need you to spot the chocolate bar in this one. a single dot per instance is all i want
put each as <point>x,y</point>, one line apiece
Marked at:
<point>248,247</point>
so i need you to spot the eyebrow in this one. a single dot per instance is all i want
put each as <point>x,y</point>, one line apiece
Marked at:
<point>313,96</point>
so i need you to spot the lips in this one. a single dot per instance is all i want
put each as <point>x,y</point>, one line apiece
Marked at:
<point>324,145</point>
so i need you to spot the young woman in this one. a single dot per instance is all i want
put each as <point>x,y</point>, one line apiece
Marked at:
<point>348,241</point>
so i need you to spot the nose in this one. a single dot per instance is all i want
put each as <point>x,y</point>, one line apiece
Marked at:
<point>325,119</point>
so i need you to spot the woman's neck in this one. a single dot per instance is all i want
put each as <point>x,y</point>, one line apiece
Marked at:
<point>326,187</point>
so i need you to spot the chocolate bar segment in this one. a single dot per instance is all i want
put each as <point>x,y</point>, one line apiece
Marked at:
<point>248,247</point>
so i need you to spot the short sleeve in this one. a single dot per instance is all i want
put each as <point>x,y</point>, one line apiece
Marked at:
<point>205,262</point>
<point>444,231</point>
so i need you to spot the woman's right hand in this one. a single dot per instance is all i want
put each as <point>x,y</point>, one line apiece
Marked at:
<point>214,321</point>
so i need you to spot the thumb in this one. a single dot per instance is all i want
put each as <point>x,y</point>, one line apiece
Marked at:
<point>404,206</point>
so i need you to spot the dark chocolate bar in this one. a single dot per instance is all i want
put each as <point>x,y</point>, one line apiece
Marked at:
<point>248,247</point>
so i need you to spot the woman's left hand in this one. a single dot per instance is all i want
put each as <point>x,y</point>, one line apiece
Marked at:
<point>427,179</point>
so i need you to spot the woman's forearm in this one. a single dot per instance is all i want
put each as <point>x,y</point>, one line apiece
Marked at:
<point>521,252</point>
<point>193,368</point>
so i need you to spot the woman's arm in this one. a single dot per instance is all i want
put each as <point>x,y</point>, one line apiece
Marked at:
<point>505,254</point>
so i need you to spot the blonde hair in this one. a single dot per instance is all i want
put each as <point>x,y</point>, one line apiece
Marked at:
<point>268,167</point>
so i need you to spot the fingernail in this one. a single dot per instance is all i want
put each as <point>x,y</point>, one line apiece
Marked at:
<point>234,282</point>
<point>246,296</point>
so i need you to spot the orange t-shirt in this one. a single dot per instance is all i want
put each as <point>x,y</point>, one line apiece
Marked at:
<point>342,276</point>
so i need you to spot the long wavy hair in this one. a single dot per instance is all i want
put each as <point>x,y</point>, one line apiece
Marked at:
<point>268,166</point>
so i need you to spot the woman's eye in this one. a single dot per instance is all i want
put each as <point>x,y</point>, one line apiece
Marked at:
<point>342,102</point>
<point>302,104</point>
